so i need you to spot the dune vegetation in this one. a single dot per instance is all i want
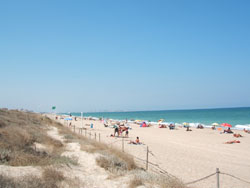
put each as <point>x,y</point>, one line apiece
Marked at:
<point>25,142</point>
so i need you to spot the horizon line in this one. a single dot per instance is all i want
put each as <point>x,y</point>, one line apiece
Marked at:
<point>118,111</point>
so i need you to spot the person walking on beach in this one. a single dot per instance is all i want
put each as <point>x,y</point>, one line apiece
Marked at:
<point>126,135</point>
<point>116,131</point>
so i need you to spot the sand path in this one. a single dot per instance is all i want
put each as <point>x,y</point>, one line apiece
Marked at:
<point>87,173</point>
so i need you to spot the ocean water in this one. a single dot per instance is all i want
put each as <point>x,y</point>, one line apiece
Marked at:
<point>233,116</point>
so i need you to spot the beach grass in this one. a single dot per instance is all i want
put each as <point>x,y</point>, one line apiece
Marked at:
<point>20,132</point>
<point>50,178</point>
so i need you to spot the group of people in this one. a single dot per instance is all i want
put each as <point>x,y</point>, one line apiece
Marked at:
<point>119,130</point>
<point>171,126</point>
<point>236,135</point>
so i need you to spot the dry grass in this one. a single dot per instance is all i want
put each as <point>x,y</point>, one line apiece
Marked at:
<point>18,133</point>
<point>50,179</point>
<point>155,180</point>
<point>52,175</point>
<point>112,164</point>
<point>7,182</point>
<point>115,161</point>
<point>135,182</point>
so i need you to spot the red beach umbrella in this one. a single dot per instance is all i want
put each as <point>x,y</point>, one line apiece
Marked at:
<point>226,125</point>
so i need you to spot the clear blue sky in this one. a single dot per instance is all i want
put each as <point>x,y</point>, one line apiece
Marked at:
<point>124,54</point>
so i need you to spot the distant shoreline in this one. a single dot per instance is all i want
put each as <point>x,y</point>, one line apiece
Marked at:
<point>191,109</point>
<point>235,116</point>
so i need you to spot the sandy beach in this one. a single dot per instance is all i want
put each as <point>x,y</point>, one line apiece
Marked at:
<point>187,155</point>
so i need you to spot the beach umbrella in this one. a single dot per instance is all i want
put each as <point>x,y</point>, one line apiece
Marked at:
<point>160,120</point>
<point>194,124</point>
<point>215,124</point>
<point>68,118</point>
<point>226,125</point>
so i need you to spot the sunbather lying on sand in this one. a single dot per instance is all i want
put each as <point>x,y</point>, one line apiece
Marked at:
<point>200,126</point>
<point>162,126</point>
<point>246,131</point>
<point>231,142</point>
<point>237,135</point>
<point>136,142</point>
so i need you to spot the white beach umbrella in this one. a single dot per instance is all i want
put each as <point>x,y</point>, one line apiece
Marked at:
<point>215,124</point>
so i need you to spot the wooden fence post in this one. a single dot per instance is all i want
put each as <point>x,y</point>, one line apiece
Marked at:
<point>122,144</point>
<point>218,178</point>
<point>147,159</point>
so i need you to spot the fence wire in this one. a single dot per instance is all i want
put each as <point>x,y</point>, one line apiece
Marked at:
<point>235,177</point>
<point>156,167</point>
<point>206,177</point>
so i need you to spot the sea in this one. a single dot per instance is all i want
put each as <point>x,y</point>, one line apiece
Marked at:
<point>235,116</point>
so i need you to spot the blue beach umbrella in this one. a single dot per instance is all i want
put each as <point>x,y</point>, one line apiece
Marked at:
<point>68,118</point>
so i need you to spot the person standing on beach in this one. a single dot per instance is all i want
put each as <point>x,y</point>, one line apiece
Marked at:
<point>116,131</point>
<point>126,135</point>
